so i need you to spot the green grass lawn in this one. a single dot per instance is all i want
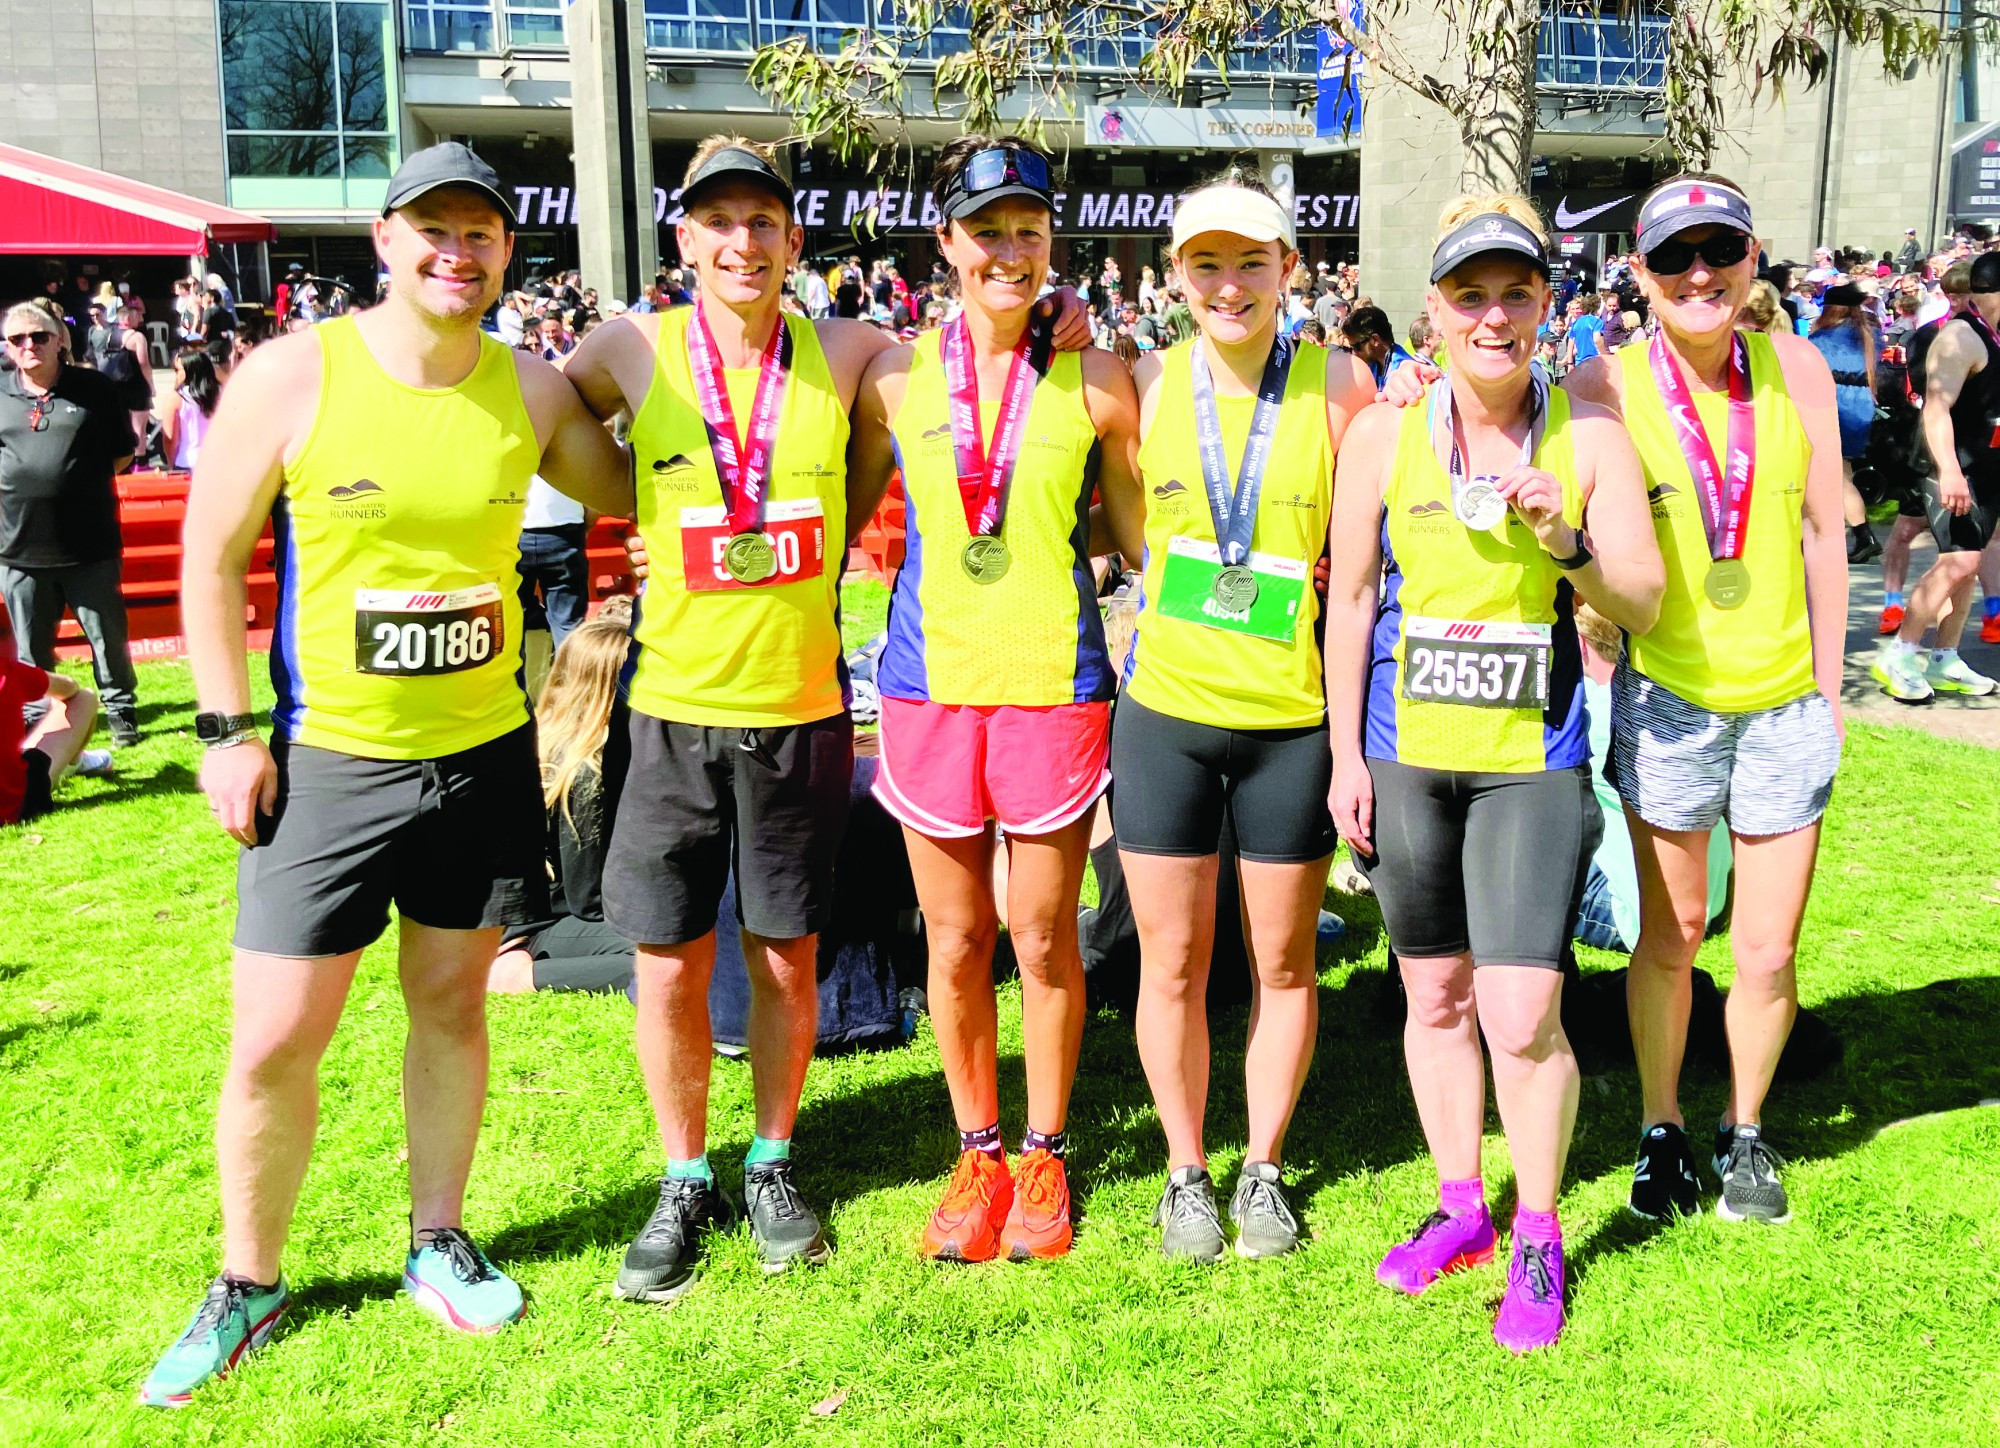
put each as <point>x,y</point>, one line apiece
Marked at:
<point>1873,1318</point>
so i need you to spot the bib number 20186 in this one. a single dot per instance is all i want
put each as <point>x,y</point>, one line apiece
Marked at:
<point>415,633</point>
<point>1485,665</point>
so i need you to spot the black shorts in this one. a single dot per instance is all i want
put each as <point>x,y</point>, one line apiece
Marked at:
<point>700,799</point>
<point>1490,863</point>
<point>455,842</point>
<point>35,797</point>
<point>1967,532</point>
<point>571,953</point>
<point>1173,779</point>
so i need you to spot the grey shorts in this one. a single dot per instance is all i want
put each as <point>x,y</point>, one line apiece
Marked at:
<point>1679,766</point>
<point>455,842</point>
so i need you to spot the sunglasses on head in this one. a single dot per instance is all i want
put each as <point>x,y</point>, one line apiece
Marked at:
<point>22,339</point>
<point>1003,166</point>
<point>1671,258</point>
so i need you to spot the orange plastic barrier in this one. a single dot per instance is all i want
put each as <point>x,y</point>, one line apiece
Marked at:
<point>882,541</point>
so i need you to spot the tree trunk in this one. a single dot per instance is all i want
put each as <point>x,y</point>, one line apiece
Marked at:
<point>1497,125</point>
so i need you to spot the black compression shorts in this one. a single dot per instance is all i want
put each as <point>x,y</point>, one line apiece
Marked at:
<point>1490,863</point>
<point>1173,778</point>
<point>1967,532</point>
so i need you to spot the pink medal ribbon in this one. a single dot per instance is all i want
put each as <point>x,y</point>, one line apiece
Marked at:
<point>983,477</point>
<point>1725,500</point>
<point>743,467</point>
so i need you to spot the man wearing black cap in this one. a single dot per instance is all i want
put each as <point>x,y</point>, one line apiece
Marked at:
<point>741,742</point>
<point>391,452</point>
<point>1961,423</point>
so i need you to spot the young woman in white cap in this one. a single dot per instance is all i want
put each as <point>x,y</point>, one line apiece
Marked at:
<point>1223,708</point>
<point>1462,531</point>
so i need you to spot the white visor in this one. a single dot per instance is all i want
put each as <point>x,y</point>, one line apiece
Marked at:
<point>1235,209</point>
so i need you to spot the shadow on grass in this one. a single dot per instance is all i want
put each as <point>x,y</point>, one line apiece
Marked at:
<point>39,1032</point>
<point>344,1296</point>
<point>171,777</point>
<point>10,969</point>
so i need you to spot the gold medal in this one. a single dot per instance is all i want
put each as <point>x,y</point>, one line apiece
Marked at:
<point>985,559</point>
<point>1727,583</point>
<point>749,558</point>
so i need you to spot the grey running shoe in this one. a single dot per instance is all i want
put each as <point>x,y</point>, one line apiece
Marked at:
<point>785,1228</point>
<point>1265,1226</point>
<point>659,1265</point>
<point>1190,1225</point>
<point>1751,1191</point>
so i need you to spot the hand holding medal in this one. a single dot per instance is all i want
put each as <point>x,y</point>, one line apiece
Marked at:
<point>1537,497</point>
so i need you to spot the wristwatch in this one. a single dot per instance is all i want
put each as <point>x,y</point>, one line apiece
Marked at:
<point>215,729</point>
<point>1577,559</point>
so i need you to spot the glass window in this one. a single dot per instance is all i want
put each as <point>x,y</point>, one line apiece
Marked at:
<point>277,65</point>
<point>306,100</point>
<point>370,156</point>
<point>285,157</point>
<point>699,25</point>
<point>365,38</point>
<point>450,26</point>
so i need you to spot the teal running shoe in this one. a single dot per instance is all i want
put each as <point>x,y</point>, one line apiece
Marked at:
<point>451,1279</point>
<point>235,1318</point>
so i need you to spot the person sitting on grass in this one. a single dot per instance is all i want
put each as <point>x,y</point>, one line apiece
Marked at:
<point>34,761</point>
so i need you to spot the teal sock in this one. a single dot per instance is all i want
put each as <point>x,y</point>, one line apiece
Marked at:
<point>1892,598</point>
<point>696,1170</point>
<point>764,1148</point>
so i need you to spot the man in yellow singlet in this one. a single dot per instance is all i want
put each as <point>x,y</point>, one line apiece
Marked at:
<point>742,749</point>
<point>391,451</point>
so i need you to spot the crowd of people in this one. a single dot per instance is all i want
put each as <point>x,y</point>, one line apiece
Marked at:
<point>1464,606</point>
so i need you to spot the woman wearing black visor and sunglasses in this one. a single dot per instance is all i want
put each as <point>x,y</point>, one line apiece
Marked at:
<point>1730,704</point>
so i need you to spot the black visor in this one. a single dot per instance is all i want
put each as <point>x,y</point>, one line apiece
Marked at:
<point>1489,233</point>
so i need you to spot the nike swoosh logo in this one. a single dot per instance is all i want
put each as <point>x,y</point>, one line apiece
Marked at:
<point>1568,220</point>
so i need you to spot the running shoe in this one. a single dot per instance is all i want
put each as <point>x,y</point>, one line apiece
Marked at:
<point>659,1265</point>
<point>1989,631</point>
<point>1531,1314</point>
<point>966,1225</point>
<point>1663,1180</point>
<point>124,727</point>
<point>1751,1191</point>
<point>92,764</point>
<point>785,1229</point>
<point>1901,675</point>
<point>235,1319</point>
<point>1038,1224</point>
<point>451,1279</point>
<point>1265,1225</point>
<point>1892,619</point>
<point>1949,674</point>
<point>1190,1226</point>
<point>1862,544</point>
<point>1441,1244</point>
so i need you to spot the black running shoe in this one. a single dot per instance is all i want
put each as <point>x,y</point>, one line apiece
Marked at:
<point>124,727</point>
<point>1265,1225</point>
<point>785,1228</point>
<point>1663,1181</point>
<point>1751,1191</point>
<point>1190,1225</point>
<point>659,1265</point>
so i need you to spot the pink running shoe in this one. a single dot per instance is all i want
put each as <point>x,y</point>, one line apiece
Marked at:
<point>1442,1243</point>
<point>1531,1314</point>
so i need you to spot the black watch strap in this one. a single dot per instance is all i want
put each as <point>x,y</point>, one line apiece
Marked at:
<point>1577,559</point>
<point>212,728</point>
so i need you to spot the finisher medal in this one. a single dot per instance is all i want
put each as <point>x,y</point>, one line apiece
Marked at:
<point>1476,501</point>
<point>1479,505</point>
<point>750,558</point>
<point>1727,583</point>
<point>985,559</point>
<point>1234,589</point>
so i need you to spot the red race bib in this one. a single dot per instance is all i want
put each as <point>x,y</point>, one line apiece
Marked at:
<point>796,531</point>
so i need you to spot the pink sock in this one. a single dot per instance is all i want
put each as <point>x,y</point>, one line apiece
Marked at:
<point>1541,1228</point>
<point>1458,1198</point>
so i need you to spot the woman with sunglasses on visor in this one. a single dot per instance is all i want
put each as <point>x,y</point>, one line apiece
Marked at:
<point>995,681</point>
<point>1224,707</point>
<point>1730,704</point>
<point>1462,530</point>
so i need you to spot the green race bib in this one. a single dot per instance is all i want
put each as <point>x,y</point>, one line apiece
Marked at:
<point>1188,591</point>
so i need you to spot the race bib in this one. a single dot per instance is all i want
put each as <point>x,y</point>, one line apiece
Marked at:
<point>796,531</point>
<point>1189,590</point>
<point>1485,665</point>
<point>406,634</point>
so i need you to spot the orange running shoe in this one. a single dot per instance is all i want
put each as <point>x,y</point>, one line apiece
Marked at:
<point>1892,619</point>
<point>1039,1224</point>
<point>1989,631</point>
<point>966,1225</point>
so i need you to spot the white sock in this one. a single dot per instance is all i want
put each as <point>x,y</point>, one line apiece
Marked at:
<point>1901,648</point>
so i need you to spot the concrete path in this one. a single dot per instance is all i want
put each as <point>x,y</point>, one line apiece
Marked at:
<point>1952,716</point>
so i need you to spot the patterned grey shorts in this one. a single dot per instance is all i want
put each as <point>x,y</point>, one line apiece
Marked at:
<point>1679,766</point>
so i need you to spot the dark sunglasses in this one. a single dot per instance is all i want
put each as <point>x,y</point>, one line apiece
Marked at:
<point>38,415</point>
<point>22,339</point>
<point>1671,258</point>
<point>1003,166</point>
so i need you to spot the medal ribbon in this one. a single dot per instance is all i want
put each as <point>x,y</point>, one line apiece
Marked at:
<point>1538,384</point>
<point>743,468</point>
<point>1235,517</point>
<point>983,478</point>
<point>1725,504</point>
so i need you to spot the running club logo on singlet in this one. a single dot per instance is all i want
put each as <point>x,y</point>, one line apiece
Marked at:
<point>1432,517</point>
<point>677,474</point>
<point>1174,497</point>
<point>359,500</point>
<point>1659,496</point>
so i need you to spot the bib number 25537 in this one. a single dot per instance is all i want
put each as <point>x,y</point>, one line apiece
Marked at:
<point>415,633</point>
<point>1485,665</point>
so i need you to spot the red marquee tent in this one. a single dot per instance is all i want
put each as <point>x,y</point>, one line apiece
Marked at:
<point>54,207</point>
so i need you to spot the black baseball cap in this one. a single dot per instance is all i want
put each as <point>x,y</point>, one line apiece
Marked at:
<point>445,164</point>
<point>1683,205</point>
<point>1488,233</point>
<point>737,163</point>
